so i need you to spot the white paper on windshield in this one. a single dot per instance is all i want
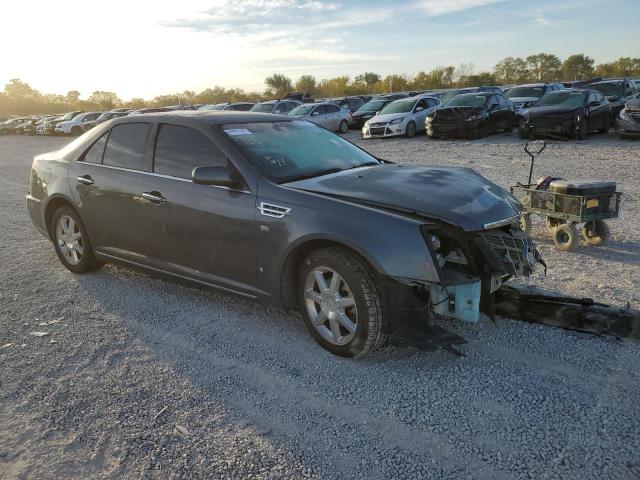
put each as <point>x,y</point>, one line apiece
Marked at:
<point>237,131</point>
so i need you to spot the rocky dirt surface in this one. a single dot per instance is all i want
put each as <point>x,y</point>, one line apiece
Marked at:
<point>118,374</point>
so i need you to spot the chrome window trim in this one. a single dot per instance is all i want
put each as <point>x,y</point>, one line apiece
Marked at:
<point>159,270</point>
<point>153,174</point>
<point>501,223</point>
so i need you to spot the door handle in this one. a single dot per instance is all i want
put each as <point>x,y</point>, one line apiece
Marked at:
<point>154,197</point>
<point>85,180</point>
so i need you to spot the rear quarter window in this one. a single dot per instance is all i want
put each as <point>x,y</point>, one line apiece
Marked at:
<point>94,154</point>
<point>127,146</point>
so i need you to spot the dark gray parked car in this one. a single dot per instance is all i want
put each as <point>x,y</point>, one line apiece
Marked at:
<point>286,211</point>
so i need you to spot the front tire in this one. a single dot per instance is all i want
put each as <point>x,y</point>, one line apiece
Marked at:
<point>71,241</point>
<point>343,127</point>
<point>341,302</point>
<point>582,129</point>
<point>76,131</point>
<point>410,131</point>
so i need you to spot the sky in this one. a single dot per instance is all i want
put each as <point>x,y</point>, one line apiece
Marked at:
<point>147,48</point>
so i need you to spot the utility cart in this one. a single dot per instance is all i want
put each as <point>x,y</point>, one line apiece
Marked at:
<point>566,203</point>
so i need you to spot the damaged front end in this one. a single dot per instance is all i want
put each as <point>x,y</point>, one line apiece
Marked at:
<point>471,267</point>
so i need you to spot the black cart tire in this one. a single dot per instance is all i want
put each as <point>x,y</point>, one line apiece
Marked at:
<point>71,241</point>
<point>595,233</point>
<point>565,237</point>
<point>410,131</point>
<point>525,223</point>
<point>341,302</point>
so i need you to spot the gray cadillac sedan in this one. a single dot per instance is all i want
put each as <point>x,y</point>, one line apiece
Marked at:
<point>282,210</point>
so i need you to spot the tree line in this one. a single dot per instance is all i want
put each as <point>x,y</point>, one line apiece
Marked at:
<point>18,98</point>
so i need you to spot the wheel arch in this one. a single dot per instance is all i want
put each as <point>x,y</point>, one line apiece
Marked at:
<point>54,204</point>
<point>300,250</point>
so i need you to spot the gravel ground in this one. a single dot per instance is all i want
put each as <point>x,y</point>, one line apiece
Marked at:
<point>144,377</point>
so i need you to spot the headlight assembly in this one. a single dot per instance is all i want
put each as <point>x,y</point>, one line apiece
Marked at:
<point>396,121</point>
<point>624,115</point>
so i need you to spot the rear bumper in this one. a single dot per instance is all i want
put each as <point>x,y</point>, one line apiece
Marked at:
<point>35,209</point>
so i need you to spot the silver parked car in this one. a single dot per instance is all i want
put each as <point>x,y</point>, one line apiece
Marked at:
<point>283,107</point>
<point>327,115</point>
<point>401,117</point>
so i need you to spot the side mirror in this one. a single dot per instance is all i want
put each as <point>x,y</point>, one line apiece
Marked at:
<point>315,114</point>
<point>216,176</point>
<point>276,111</point>
<point>419,109</point>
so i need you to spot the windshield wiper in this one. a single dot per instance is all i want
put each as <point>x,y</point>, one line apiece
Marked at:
<point>326,171</point>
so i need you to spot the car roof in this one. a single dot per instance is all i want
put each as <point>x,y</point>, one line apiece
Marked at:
<point>619,80</point>
<point>537,84</point>
<point>217,117</point>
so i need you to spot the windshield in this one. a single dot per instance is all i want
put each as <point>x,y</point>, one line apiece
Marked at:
<point>399,106</point>
<point>287,151</point>
<point>68,116</point>
<point>468,101</point>
<point>561,99</point>
<point>106,116</point>
<point>262,107</point>
<point>608,89</point>
<point>516,92</point>
<point>302,110</point>
<point>452,94</point>
<point>372,106</point>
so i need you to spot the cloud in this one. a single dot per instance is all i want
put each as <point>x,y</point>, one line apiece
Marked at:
<point>540,19</point>
<point>442,7</point>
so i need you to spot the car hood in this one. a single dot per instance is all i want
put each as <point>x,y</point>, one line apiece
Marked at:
<point>387,117</point>
<point>633,104</point>
<point>539,112</point>
<point>359,113</point>
<point>457,196</point>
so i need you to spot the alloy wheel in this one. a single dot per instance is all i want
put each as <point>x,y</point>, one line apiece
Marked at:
<point>330,305</point>
<point>69,239</point>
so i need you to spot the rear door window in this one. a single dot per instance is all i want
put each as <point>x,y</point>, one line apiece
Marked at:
<point>127,146</point>
<point>181,149</point>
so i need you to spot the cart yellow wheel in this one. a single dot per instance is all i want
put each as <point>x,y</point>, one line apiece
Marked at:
<point>565,237</point>
<point>596,232</point>
<point>525,223</point>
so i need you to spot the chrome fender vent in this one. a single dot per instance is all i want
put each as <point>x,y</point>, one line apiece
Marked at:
<point>271,210</point>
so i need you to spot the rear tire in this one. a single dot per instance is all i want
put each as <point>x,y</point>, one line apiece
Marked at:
<point>341,302</point>
<point>565,237</point>
<point>595,233</point>
<point>343,127</point>
<point>71,241</point>
<point>76,131</point>
<point>410,131</point>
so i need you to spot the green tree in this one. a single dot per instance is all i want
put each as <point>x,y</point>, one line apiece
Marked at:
<point>72,97</point>
<point>511,70</point>
<point>334,87</point>
<point>544,67</point>
<point>105,100</point>
<point>18,88</point>
<point>367,78</point>
<point>278,85</point>
<point>577,67</point>
<point>306,83</point>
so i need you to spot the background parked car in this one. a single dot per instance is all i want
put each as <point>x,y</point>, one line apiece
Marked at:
<point>618,92</point>
<point>40,124</point>
<point>449,94</point>
<point>524,96</point>
<point>49,127</point>
<point>401,117</point>
<point>571,112</point>
<point>103,117</point>
<point>275,106</point>
<point>142,111</point>
<point>628,120</point>
<point>234,106</point>
<point>327,115</point>
<point>10,125</point>
<point>28,127</point>
<point>472,114</point>
<point>76,126</point>
<point>373,106</point>
<point>350,103</point>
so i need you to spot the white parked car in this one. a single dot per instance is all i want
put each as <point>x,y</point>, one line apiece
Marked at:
<point>327,115</point>
<point>77,124</point>
<point>401,117</point>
